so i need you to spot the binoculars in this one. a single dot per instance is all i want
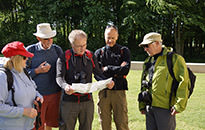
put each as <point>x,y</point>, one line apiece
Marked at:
<point>80,77</point>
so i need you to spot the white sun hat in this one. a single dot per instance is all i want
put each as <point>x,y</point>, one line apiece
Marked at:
<point>44,31</point>
<point>151,37</point>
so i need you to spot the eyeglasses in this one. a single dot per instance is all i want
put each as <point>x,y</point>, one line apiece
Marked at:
<point>80,46</point>
<point>145,46</point>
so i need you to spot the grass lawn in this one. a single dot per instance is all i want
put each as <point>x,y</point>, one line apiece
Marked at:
<point>193,118</point>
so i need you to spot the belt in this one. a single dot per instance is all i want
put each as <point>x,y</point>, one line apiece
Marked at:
<point>77,97</point>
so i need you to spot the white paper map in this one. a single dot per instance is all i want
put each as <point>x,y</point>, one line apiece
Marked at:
<point>90,87</point>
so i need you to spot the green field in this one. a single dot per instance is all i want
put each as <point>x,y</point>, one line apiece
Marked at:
<point>193,118</point>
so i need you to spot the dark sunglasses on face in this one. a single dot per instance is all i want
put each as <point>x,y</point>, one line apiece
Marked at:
<point>24,58</point>
<point>145,46</point>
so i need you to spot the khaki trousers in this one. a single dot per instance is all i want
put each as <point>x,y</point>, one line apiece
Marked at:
<point>113,102</point>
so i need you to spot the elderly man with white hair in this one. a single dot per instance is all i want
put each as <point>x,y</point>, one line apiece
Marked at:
<point>42,68</point>
<point>77,66</point>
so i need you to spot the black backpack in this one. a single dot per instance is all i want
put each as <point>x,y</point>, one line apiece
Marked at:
<point>10,81</point>
<point>175,83</point>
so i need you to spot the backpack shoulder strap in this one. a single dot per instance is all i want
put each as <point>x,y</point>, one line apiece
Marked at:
<point>90,56</point>
<point>175,83</point>
<point>9,77</point>
<point>170,64</point>
<point>68,55</point>
<point>10,81</point>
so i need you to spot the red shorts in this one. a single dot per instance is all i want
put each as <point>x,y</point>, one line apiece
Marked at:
<point>50,110</point>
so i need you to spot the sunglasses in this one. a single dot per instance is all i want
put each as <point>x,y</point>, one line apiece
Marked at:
<point>111,25</point>
<point>145,46</point>
<point>24,58</point>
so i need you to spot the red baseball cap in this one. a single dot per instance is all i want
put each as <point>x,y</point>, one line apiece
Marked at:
<point>15,48</point>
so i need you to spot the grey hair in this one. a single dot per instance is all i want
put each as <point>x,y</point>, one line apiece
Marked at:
<point>74,34</point>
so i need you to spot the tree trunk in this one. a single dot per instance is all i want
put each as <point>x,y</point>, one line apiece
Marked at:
<point>179,43</point>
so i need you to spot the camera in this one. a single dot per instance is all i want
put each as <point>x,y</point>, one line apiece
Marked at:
<point>80,77</point>
<point>146,84</point>
<point>145,97</point>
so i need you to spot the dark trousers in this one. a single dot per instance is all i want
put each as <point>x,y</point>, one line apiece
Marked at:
<point>71,111</point>
<point>160,119</point>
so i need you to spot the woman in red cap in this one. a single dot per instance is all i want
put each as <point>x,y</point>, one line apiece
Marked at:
<point>17,114</point>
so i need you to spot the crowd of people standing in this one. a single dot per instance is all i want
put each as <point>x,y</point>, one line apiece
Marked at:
<point>43,74</point>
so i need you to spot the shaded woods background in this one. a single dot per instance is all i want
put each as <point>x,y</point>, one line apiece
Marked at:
<point>181,22</point>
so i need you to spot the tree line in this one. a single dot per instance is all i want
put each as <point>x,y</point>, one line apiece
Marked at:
<point>181,22</point>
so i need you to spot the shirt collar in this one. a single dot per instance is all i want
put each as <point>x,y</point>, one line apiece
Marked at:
<point>41,47</point>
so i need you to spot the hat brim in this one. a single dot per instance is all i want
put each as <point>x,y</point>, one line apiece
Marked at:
<point>145,43</point>
<point>41,35</point>
<point>26,54</point>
